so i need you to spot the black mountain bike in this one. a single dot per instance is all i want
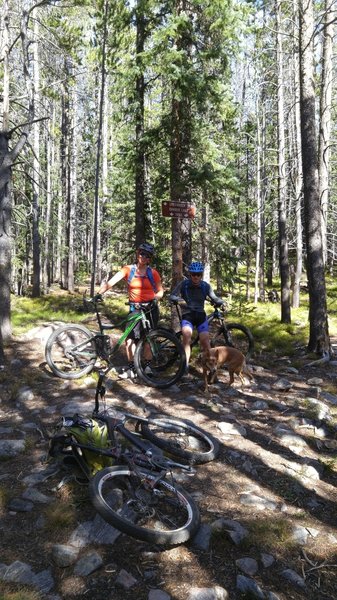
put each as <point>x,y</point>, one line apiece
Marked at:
<point>72,350</point>
<point>222,333</point>
<point>139,495</point>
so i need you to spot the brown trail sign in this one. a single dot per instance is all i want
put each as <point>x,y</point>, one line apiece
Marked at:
<point>179,210</point>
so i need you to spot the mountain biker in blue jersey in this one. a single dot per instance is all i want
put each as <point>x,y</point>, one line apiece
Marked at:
<point>194,291</point>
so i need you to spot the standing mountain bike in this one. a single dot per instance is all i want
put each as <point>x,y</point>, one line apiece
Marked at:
<point>138,495</point>
<point>190,295</point>
<point>222,333</point>
<point>72,350</point>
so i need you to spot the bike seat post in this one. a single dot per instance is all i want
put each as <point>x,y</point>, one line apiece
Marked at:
<point>98,317</point>
<point>100,391</point>
<point>178,310</point>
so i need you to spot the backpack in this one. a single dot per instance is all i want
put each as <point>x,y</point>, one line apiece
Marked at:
<point>92,432</point>
<point>148,274</point>
<point>185,285</point>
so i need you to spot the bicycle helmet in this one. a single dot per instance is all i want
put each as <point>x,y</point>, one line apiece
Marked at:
<point>196,267</point>
<point>147,248</point>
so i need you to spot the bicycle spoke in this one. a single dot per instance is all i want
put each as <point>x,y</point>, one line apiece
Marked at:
<point>71,351</point>
<point>143,505</point>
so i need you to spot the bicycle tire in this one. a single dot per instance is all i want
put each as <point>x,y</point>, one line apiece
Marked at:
<point>181,438</point>
<point>136,502</point>
<point>234,335</point>
<point>160,358</point>
<point>60,355</point>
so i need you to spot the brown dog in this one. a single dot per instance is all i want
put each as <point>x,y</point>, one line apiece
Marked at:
<point>213,359</point>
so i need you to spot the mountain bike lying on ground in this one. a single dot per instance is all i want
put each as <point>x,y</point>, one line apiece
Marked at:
<point>72,350</point>
<point>222,333</point>
<point>139,495</point>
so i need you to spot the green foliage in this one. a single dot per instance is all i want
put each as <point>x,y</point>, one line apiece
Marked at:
<point>273,336</point>
<point>28,312</point>
<point>64,307</point>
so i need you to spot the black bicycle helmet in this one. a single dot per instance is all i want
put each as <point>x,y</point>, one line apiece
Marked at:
<point>196,267</point>
<point>147,248</point>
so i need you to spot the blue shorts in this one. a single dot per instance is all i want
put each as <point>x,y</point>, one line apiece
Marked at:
<point>195,319</point>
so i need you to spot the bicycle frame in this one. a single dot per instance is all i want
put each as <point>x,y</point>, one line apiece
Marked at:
<point>132,318</point>
<point>142,454</point>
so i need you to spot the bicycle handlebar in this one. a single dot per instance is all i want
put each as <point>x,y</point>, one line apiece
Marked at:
<point>176,300</point>
<point>142,304</point>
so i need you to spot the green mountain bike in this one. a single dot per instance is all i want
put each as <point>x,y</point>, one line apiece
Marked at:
<point>72,350</point>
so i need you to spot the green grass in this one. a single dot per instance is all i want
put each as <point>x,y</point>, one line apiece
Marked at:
<point>69,308</point>
<point>270,533</point>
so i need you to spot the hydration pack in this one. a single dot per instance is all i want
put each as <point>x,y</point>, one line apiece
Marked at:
<point>148,274</point>
<point>93,433</point>
<point>185,287</point>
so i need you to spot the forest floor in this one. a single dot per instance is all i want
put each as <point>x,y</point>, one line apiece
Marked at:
<point>276,474</point>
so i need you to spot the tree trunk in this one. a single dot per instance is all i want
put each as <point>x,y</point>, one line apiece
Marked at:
<point>257,294</point>
<point>96,223</point>
<point>48,253</point>
<point>141,229</point>
<point>5,239</point>
<point>5,200</point>
<point>325,120</point>
<point>319,336</point>
<point>297,274</point>
<point>36,186</point>
<point>72,193</point>
<point>180,147</point>
<point>282,186</point>
<point>64,159</point>
<point>7,159</point>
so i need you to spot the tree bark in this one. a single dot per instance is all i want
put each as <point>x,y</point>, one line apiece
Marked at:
<point>282,186</point>
<point>96,223</point>
<point>319,336</point>
<point>179,155</point>
<point>141,229</point>
<point>297,274</point>
<point>36,185</point>
<point>325,120</point>
<point>7,159</point>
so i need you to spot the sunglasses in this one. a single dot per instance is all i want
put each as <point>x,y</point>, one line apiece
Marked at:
<point>144,254</point>
<point>196,274</point>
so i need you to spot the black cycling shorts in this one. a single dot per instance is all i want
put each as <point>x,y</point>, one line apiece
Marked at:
<point>195,318</point>
<point>153,316</point>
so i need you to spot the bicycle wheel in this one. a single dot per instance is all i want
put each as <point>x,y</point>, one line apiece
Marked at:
<point>160,358</point>
<point>181,438</point>
<point>71,352</point>
<point>138,503</point>
<point>234,335</point>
